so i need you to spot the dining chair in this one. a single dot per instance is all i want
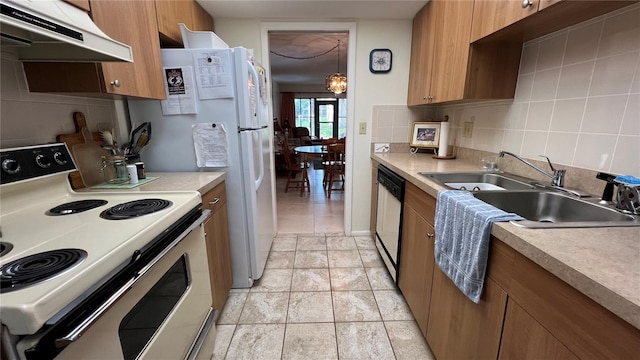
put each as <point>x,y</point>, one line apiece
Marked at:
<point>325,159</point>
<point>335,167</point>
<point>294,166</point>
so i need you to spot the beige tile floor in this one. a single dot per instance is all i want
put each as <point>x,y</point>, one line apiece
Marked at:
<point>312,212</point>
<point>323,295</point>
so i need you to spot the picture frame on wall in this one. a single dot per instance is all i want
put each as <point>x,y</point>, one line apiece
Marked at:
<point>425,135</point>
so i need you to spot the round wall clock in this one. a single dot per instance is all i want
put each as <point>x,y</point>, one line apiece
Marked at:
<point>380,61</point>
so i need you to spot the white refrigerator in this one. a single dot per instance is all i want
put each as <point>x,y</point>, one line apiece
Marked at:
<point>232,93</point>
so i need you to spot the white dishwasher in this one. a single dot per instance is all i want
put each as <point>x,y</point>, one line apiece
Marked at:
<point>389,218</point>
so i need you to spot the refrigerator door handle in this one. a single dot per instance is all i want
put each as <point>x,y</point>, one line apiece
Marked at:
<point>241,129</point>
<point>261,168</point>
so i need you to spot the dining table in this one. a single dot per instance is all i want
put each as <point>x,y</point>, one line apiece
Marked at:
<point>309,150</point>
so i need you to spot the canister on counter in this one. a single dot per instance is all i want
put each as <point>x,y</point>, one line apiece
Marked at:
<point>133,174</point>
<point>140,169</point>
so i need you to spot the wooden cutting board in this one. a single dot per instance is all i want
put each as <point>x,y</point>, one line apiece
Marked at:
<point>86,153</point>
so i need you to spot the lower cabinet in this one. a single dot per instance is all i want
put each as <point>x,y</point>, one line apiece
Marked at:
<point>216,229</point>
<point>525,339</point>
<point>525,312</point>
<point>416,265</point>
<point>416,253</point>
<point>461,329</point>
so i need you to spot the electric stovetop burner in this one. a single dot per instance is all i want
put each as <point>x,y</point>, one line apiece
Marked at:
<point>5,247</point>
<point>75,207</point>
<point>133,209</point>
<point>36,268</point>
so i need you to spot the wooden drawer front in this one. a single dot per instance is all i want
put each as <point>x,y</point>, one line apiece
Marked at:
<point>215,198</point>
<point>583,326</point>
<point>422,202</point>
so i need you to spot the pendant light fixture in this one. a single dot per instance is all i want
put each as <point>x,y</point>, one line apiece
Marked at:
<point>337,83</point>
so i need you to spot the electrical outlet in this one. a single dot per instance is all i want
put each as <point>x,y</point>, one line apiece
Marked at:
<point>468,130</point>
<point>363,128</point>
<point>381,147</point>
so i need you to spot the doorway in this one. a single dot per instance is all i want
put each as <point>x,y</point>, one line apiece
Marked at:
<point>307,212</point>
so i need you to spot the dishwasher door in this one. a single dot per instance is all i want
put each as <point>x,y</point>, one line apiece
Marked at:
<point>389,218</point>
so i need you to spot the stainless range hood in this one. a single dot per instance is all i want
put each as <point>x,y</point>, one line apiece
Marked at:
<point>53,30</point>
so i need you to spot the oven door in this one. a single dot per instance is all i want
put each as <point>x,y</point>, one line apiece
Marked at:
<point>161,316</point>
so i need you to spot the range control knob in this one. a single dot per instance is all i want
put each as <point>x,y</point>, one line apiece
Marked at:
<point>60,158</point>
<point>10,166</point>
<point>43,161</point>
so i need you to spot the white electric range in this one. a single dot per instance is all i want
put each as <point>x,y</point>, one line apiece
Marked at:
<point>67,257</point>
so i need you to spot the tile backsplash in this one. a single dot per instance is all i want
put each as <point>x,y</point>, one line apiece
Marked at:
<point>577,101</point>
<point>35,118</point>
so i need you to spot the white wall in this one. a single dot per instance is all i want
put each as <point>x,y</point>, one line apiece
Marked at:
<point>369,89</point>
<point>35,118</point>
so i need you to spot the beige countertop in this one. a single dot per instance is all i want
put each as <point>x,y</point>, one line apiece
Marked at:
<point>602,263</point>
<point>176,181</point>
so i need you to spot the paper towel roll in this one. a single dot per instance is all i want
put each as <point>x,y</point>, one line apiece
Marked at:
<point>444,139</point>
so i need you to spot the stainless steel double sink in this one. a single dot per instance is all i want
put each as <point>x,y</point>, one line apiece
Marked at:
<point>542,208</point>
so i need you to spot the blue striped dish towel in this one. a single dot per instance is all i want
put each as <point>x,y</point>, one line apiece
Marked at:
<point>463,229</point>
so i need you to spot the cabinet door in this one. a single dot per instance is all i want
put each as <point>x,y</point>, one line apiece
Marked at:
<point>218,248</point>
<point>490,16</point>
<point>202,21</point>
<point>461,329</point>
<point>451,53</point>
<point>219,253</point>
<point>134,23</point>
<point>422,49</point>
<point>416,265</point>
<point>524,338</point>
<point>170,14</point>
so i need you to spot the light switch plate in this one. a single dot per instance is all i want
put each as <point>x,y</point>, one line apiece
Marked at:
<point>468,130</point>
<point>381,147</point>
<point>363,128</point>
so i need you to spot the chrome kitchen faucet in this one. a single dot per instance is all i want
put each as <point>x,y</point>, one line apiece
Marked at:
<point>557,178</point>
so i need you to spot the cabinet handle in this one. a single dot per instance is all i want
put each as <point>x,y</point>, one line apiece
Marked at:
<point>115,83</point>
<point>526,3</point>
<point>430,236</point>
<point>215,201</point>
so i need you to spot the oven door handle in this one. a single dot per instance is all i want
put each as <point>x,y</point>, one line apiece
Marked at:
<point>79,330</point>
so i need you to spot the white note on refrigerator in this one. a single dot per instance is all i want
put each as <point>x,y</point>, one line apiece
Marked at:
<point>179,86</point>
<point>214,74</point>
<point>211,145</point>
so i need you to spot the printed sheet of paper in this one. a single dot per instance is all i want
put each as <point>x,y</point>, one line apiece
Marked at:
<point>179,87</point>
<point>213,74</point>
<point>211,144</point>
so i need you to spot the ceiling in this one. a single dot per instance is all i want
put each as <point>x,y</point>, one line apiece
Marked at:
<point>312,9</point>
<point>306,44</point>
<point>286,71</point>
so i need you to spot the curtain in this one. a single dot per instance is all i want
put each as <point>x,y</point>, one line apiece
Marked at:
<point>287,110</point>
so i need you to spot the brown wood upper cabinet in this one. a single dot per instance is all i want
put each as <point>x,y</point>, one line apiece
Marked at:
<point>172,12</point>
<point>524,20</point>
<point>491,15</point>
<point>131,22</point>
<point>445,68</point>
